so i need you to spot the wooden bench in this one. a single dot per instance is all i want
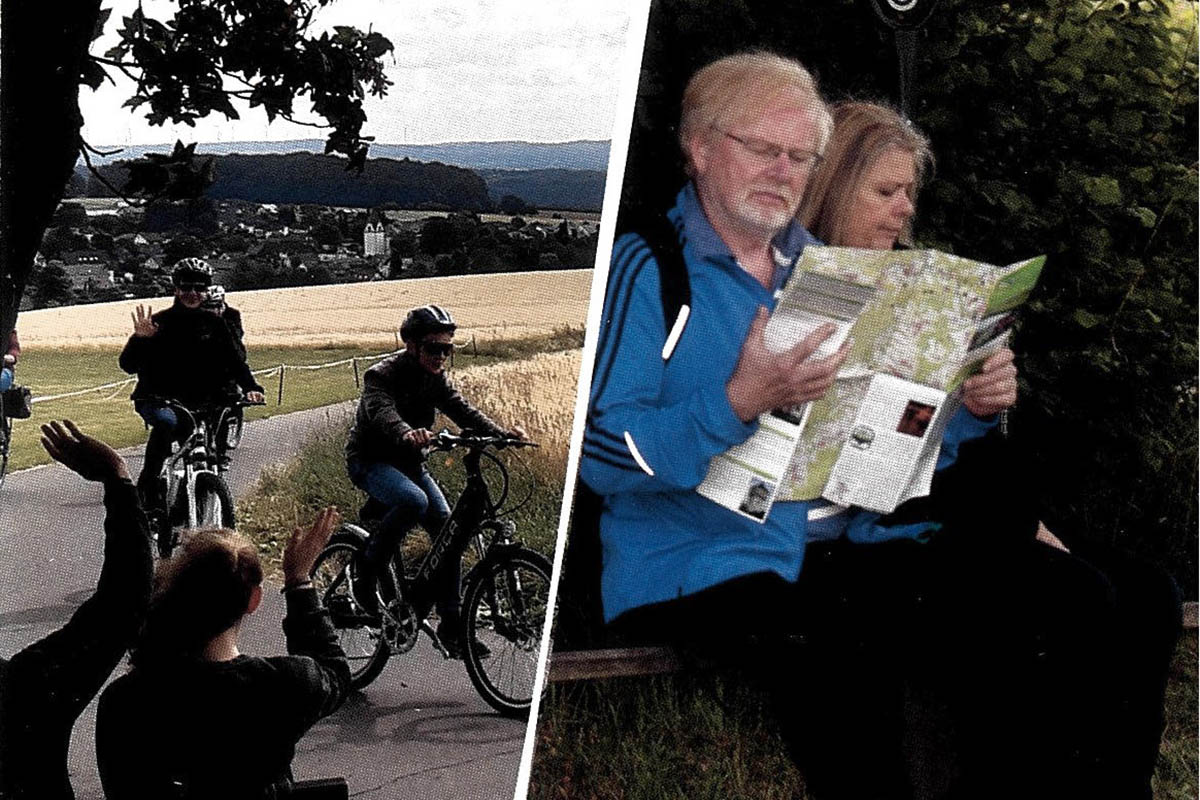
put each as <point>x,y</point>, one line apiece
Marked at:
<point>619,662</point>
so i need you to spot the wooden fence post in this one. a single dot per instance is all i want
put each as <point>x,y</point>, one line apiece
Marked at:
<point>354,362</point>
<point>279,400</point>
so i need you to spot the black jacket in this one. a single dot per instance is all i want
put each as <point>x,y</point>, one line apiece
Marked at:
<point>233,321</point>
<point>192,358</point>
<point>222,730</point>
<point>398,396</point>
<point>45,687</point>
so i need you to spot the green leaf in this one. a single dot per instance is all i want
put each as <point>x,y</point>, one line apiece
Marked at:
<point>1126,121</point>
<point>1142,174</point>
<point>1103,191</point>
<point>1144,215</point>
<point>1041,47</point>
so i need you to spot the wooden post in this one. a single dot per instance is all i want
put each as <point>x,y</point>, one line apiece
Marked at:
<point>397,335</point>
<point>354,361</point>
<point>474,347</point>
<point>279,400</point>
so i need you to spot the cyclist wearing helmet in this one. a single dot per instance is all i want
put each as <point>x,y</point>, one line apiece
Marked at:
<point>215,302</point>
<point>383,455</point>
<point>185,354</point>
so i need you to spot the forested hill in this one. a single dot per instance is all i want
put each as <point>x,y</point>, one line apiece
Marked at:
<point>580,154</point>
<point>323,180</point>
<point>576,189</point>
<point>310,178</point>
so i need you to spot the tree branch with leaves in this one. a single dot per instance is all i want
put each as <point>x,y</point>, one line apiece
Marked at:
<point>198,61</point>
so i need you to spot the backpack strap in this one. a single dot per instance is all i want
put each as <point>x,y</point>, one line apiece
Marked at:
<point>675,289</point>
<point>580,615</point>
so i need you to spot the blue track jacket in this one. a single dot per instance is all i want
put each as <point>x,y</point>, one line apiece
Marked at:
<point>654,425</point>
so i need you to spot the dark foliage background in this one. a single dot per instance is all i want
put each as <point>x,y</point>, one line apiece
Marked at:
<point>1066,128</point>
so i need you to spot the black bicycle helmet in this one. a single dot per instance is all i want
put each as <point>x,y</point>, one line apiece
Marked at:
<point>421,322</point>
<point>191,270</point>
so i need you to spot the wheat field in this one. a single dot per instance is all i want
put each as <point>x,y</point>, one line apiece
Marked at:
<point>500,305</point>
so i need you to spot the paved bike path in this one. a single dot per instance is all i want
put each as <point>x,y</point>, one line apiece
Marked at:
<point>420,730</point>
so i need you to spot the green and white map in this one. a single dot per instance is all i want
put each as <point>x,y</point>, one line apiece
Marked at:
<point>926,318</point>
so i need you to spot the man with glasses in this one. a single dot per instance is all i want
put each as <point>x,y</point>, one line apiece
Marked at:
<point>185,354</point>
<point>384,457</point>
<point>666,398</point>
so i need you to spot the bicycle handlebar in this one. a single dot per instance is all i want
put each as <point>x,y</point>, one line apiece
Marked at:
<point>239,402</point>
<point>445,441</point>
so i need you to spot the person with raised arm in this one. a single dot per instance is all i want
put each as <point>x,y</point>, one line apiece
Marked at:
<point>46,686</point>
<point>175,724</point>
<point>184,354</point>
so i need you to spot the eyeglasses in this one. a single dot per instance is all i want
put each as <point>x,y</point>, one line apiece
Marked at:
<point>437,348</point>
<point>192,287</point>
<point>768,151</point>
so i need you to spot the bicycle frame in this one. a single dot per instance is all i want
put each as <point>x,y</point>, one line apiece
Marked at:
<point>198,452</point>
<point>472,511</point>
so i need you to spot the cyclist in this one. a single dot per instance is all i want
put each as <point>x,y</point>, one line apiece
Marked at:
<point>384,458</point>
<point>215,302</point>
<point>183,354</point>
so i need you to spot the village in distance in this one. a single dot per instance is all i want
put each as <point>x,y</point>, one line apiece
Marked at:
<point>100,249</point>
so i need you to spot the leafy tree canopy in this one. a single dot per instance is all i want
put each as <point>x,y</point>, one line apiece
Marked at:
<point>186,65</point>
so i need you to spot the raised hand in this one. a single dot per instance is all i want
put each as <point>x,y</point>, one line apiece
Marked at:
<point>91,458</point>
<point>305,545</point>
<point>994,388</point>
<point>143,321</point>
<point>764,380</point>
<point>255,397</point>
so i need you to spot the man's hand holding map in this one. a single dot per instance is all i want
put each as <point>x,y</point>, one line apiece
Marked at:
<point>919,323</point>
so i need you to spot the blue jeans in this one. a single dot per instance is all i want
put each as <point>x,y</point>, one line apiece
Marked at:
<point>6,379</point>
<point>165,427</point>
<point>411,497</point>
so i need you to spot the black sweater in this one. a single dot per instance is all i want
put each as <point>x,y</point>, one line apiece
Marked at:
<point>192,358</point>
<point>201,729</point>
<point>45,687</point>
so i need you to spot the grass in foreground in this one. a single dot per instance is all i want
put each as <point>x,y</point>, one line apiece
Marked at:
<point>702,735</point>
<point>537,392</point>
<point>699,735</point>
<point>110,414</point>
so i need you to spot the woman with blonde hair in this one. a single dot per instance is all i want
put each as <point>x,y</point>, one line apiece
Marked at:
<point>1051,660</point>
<point>175,725</point>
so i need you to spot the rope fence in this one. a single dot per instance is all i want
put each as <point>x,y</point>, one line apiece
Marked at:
<point>266,372</point>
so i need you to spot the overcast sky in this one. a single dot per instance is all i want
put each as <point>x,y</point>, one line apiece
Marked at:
<point>462,70</point>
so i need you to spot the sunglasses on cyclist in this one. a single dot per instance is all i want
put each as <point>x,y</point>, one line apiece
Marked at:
<point>437,348</point>
<point>189,286</point>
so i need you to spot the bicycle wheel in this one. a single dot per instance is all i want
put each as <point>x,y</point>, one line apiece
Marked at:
<point>214,504</point>
<point>504,607</point>
<point>363,643</point>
